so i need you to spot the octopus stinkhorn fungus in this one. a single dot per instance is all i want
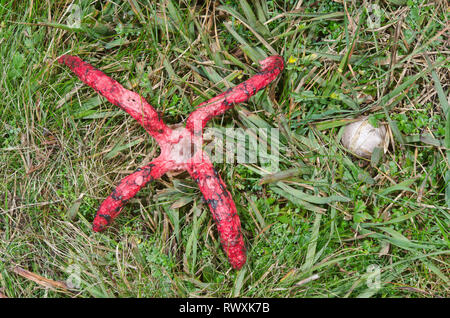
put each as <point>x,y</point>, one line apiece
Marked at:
<point>181,148</point>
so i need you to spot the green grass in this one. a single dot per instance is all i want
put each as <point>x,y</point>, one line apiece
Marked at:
<point>324,226</point>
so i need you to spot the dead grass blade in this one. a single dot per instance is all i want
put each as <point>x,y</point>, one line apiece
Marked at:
<point>38,279</point>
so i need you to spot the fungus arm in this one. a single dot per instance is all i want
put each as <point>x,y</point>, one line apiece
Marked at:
<point>129,101</point>
<point>127,189</point>
<point>223,210</point>
<point>271,68</point>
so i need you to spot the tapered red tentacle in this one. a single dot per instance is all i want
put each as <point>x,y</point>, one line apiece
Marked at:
<point>127,188</point>
<point>271,67</point>
<point>223,209</point>
<point>115,93</point>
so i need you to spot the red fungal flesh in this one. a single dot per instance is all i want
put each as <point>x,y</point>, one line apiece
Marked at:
<point>271,68</point>
<point>180,148</point>
<point>118,95</point>
<point>223,209</point>
<point>127,189</point>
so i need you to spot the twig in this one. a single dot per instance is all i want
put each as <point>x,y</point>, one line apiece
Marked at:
<point>307,280</point>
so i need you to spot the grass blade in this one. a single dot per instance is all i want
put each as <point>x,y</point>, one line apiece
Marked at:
<point>309,261</point>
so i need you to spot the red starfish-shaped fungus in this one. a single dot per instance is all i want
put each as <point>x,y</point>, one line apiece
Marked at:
<point>181,148</point>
